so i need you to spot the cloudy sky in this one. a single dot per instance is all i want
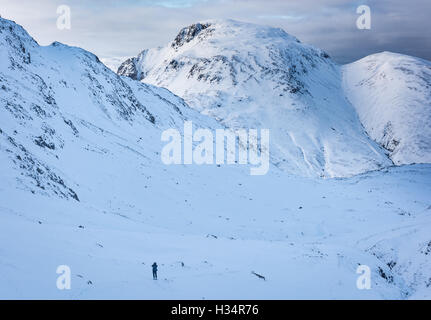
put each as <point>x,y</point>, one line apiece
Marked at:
<point>117,29</point>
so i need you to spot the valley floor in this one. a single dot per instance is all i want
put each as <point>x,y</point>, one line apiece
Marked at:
<point>306,237</point>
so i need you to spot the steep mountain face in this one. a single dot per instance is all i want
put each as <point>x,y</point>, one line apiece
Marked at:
<point>251,76</point>
<point>392,95</point>
<point>60,102</point>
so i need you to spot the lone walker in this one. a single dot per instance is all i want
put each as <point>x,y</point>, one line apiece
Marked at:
<point>154,271</point>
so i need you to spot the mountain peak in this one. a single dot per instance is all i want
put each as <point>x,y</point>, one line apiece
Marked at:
<point>11,28</point>
<point>391,94</point>
<point>217,29</point>
<point>189,33</point>
<point>19,43</point>
<point>256,76</point>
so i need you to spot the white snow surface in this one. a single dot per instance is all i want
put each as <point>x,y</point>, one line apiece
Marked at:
<point>82,184</point>
<point>392,95</point>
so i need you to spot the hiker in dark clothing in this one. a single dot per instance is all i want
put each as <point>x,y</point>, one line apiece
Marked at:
<point>154,271</point>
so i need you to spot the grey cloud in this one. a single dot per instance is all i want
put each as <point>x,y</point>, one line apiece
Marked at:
<point>123,28</point>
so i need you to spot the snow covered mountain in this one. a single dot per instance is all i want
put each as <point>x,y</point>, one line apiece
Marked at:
<point>59,102</point>
<point>392,95</point>
<point>252,76</point>
<point>82,185</point>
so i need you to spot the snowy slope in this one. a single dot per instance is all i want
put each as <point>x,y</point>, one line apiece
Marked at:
<point>392,95</point>
<point>82,184</point>
<point>60,103</point>
<point>253,76</point>
<point>207,238</point>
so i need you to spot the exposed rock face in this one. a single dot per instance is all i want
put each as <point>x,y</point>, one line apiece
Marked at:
<point>187,34</point>
<point>128,69</point>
